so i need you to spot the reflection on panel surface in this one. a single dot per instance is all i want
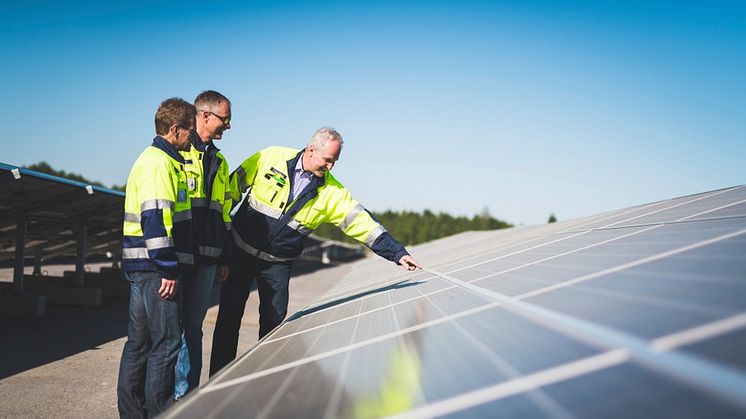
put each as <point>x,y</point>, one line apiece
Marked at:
<point>670,277</point>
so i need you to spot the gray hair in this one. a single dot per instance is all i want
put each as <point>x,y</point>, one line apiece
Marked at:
<point>210,100</point>
<point>323,135</point>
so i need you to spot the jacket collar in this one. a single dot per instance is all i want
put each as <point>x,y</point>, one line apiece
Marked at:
<point>319,181</point>
<point>163,145</point>
<point>293,162</point>
<point>199,145</point>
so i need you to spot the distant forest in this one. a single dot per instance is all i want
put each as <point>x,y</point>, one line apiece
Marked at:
<point>411,227</point>
<point>408,227</point>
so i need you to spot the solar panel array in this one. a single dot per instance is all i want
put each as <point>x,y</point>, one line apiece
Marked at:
<point>54,208</point>
<point>633,313</point>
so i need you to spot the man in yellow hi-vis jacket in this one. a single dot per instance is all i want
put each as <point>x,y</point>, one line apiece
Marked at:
<point>207,181</point>
<point>157,249</point>
<point>292,193</point>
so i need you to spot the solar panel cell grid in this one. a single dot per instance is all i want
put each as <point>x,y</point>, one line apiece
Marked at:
<point>520,406</point>
<point>636,215</point>
<point>627,391</point>
<point>310,320</point>
<point>694,207</point>
<point>555,321</point>
<point>726,349</point>
<point>736,209</point>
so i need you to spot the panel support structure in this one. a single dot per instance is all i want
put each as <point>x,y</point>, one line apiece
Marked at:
<point>80,260</point>
<point>21,226</point>
<point>116,257</point>
<point>37,262</point>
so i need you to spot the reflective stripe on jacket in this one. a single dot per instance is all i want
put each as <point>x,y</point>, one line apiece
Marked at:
<point>207,183</point>
<point>271,228</point>
<point>157,218</point>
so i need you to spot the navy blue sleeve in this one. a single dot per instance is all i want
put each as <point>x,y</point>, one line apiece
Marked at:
<point>387,247</point>
<point>163,255</point>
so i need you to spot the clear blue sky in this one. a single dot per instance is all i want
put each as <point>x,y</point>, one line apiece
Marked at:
<point>525,107</point>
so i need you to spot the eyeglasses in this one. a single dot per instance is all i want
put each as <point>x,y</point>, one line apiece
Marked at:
<point>226,120</point>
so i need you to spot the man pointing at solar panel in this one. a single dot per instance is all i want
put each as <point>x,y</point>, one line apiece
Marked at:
<point>292,193</point>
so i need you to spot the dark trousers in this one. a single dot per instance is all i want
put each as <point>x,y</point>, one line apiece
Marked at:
<point>146,372</point>
<point>271,282</point>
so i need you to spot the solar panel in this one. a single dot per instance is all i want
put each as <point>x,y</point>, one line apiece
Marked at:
<point>639,312</point>
<point>54,207</point>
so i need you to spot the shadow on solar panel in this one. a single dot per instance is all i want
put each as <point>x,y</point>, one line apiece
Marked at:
<point>632,313</point>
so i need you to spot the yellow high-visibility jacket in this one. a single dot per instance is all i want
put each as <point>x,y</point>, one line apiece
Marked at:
<point>157,217</point>
<point>273,229</point>
<point>207,185</point>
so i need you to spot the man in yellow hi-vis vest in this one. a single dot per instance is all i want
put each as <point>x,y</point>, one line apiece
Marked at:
<point>292,193</point>
<point>156,251</point>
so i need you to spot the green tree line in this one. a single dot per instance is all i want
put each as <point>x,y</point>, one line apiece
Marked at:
<point>411,227</point>
<point>44,167</point>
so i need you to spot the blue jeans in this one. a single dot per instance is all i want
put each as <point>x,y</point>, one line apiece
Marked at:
<point>146,372</point>
<point>195,299</point>
<point>272,283</point>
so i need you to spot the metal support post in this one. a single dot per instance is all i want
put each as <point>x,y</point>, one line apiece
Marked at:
<point>80,261</point>
<point>116,257</point>
<point>37,262</point>
<point>22,224</point>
